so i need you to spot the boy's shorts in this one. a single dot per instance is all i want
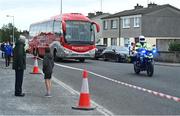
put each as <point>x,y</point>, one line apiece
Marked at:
<point>47,76</point>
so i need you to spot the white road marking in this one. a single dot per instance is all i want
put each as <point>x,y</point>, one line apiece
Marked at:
<point>107,112</point>
<point>100,108</point>
<point>162,95</point>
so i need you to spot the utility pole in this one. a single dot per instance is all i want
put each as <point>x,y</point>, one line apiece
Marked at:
<point>61,6</point>
<point>13,27</point>
<point>101,5</point>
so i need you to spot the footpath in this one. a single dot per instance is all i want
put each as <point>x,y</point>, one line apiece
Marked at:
<point>34,102</point>
<point>168,64</point>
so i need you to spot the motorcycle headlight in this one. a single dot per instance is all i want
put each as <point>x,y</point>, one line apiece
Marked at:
<point>150,54</point>
<point>144,51</point>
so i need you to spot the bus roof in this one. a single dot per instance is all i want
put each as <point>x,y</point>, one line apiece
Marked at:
<point>71,16</point>
<point>67,16</point>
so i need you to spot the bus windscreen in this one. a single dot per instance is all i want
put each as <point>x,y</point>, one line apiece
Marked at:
<point>79,32</point>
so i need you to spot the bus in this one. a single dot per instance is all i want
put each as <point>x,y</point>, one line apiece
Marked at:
<point>69,36</point>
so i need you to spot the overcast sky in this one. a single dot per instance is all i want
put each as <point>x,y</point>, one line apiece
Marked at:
<point>26,12</point>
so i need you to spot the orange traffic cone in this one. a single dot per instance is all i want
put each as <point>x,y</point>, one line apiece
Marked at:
<point>35,68</point>
<point>84,100</point>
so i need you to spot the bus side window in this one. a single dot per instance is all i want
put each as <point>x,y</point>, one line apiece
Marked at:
<point>49,27</point>
<point>57,28</point>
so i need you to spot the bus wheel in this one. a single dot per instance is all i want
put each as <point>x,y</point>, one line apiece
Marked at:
<point>34,52</point>
<point>37,53</point>
<point>55,55</point>
<point>82,60</point>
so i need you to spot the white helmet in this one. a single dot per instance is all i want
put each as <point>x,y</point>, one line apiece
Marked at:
<point>141,39</point>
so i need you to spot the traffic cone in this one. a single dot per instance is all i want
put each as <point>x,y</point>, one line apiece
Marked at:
<point>84,100</point>
<point>35,68</point>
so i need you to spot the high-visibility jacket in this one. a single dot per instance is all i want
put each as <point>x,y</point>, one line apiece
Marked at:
<point>145,45</point>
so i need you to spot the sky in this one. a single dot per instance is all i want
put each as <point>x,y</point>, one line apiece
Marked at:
<point>26,12</point>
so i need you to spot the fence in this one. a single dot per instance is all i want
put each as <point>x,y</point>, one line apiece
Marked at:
<point>165,56</point>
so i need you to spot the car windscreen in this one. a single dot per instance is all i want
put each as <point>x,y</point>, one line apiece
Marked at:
<point>122,49</point>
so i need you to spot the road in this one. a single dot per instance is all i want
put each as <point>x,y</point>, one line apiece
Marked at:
<point>115,86</point>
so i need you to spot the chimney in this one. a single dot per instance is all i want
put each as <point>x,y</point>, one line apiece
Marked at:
<point>99,13</point>
<point>151,5</point>
<point>90,15</point>
<point>138,6</point>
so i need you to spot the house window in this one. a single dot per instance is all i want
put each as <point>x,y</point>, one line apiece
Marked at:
<point>113,24</point>
<point>126,42</point>
<point>105,41</point>
<point>105,26</point>
<point>113,41</point>
<point>126,22</point>
<point>136,21</point>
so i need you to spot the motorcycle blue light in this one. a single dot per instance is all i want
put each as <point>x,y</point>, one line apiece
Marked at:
<point>154,51</point>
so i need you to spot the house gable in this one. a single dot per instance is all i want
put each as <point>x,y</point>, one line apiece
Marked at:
<point>162,23</point>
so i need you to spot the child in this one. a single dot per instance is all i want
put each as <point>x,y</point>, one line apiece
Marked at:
<point>48,64</point>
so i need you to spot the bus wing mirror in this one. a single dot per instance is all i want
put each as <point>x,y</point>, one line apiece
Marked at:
<point>97,26</point>
<point>61,40</point>
<point>63,27</point>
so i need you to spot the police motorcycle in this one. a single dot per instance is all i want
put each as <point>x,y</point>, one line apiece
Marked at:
<point>144,61</point>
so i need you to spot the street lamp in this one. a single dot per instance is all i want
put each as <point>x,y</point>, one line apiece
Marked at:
<point>13,26</point>
<point>61,6</point>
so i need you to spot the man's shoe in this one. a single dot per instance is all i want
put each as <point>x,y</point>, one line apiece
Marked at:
<point>20,95</point>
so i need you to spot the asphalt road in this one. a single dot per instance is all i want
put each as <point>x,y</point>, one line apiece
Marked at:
<point>115,86</point>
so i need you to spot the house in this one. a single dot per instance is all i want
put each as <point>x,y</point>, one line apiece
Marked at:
<point>154,22</point>
<point>96,17</point>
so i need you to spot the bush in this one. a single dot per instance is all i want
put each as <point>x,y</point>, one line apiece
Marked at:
<point>173,46</point>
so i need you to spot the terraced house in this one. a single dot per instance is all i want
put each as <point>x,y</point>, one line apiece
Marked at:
<point>97,17</point>
<point>154,22</point>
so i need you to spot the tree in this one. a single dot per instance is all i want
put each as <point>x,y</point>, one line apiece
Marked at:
<point>6,33</point>
<point>174,46</point>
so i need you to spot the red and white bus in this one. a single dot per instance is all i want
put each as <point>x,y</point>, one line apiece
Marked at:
<point>71,36</point>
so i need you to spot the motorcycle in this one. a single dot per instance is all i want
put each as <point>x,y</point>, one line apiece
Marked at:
<point>144,61</point>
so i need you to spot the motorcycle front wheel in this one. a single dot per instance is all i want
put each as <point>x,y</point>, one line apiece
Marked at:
<point>136,69</point>
<point>150,69</point>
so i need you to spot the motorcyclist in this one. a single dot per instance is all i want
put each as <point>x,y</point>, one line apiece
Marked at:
<point>144,57</point>
<point>142,44</point>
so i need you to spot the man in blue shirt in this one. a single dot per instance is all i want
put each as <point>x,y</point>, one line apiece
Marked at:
<point>8,53</point>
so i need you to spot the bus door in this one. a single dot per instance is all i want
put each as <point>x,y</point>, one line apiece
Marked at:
<point>49,33</point>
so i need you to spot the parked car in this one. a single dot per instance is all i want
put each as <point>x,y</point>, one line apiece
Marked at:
<point>99,50</point>
<point>116,53</point>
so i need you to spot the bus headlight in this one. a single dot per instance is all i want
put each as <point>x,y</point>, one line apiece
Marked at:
<point>67,51</point>
<point>92,52</point>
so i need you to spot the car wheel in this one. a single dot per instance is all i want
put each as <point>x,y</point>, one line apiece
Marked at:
<point>104,58</point>
<point>82,60</point>
<point>118,59</point>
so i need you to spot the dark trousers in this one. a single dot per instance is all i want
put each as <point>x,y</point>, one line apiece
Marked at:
<point>18,81</point>
<point>7,60</point>
<point>2,54</point>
